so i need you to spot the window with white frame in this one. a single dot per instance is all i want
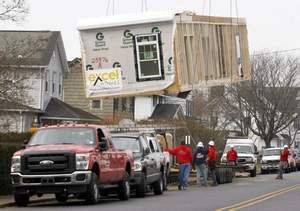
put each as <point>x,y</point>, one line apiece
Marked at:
<point>148,57</point>
<point>53,81</point>
<point>96,104</point>
<point>46,81</point>
<point>60,84</point>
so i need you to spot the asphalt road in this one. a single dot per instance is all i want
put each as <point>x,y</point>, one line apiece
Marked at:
<point>262,193</point>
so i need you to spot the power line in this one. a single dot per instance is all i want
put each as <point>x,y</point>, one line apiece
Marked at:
<point>274,52</point>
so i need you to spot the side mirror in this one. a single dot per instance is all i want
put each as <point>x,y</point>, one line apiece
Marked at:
<point>256,153</point>
<point>103,146</point>
<point>25,142</point>
<point>146,151</point>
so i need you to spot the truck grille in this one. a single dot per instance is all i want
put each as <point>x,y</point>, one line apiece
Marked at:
<point>48,163</point>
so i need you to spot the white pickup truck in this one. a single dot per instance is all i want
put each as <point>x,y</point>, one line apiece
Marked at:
<point>247,154</point>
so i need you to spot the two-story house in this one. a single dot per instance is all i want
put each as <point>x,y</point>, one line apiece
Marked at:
<point>41,62</point>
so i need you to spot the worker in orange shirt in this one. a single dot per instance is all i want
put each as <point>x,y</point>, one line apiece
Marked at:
<point>283,161</point>
<point>232,156</point>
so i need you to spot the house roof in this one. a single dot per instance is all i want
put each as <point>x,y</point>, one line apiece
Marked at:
<point>166,111</point>
<point>126,19</point>
<point>59,110</point>
<point>35,48</point>
<point>14,106</point>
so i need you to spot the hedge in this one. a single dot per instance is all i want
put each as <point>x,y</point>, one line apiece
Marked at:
<point>9,143</point>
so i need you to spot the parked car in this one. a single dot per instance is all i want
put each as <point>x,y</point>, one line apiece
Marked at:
<point>71,159</point>
<point>297,158</point>
<point>271,158</point>
<point>148,162</point>
<point>247,152</point>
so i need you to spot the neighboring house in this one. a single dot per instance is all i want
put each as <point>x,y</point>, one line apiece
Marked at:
<point>58,112</point>
<point>15,117</point>
<point>48,64</point>
<point>42,58</point>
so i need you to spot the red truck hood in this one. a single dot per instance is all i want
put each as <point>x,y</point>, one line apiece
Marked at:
<point>57,147</point>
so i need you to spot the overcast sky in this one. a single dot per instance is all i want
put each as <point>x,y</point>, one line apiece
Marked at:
<point>272,24</point>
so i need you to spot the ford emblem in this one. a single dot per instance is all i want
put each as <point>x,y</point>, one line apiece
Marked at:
<point>46,163</point>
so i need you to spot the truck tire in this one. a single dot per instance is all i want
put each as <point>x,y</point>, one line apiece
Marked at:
<point>92,194</point>
<point>264,171</point>
<point>21,200</point>
<point>142,187</point>
<point>158,186</point>
<point>124,188</point>
<point>253,172</point>
<point>60,197</point>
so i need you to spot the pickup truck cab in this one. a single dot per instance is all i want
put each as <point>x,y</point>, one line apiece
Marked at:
<point>247,151</point>
<point>271,159</point>
<point>70,159</point>
<point>149,169</point>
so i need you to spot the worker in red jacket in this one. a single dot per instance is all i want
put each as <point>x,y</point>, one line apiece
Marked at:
<point>283,161</point>
<point>184,157</point>
<point>231,156</point>
<point>211,161</point>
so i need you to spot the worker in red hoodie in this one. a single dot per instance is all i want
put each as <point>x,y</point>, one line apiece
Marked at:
<point>231,156</point>
<point>184,157</point>
<point>283,161</point>
<point>211,161</point>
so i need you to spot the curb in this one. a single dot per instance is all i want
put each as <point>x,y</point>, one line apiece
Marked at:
<point>12,204</point>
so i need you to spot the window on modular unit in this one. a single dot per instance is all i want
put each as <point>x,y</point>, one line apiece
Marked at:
<point>116,104</point>
<point>239,56</point>
<point>96,104</point>
<point>124,105</point>
<point>148,57</point>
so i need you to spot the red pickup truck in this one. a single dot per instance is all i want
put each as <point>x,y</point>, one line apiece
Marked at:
<point>71,159</point>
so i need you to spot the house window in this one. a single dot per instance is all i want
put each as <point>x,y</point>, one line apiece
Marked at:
<point>124,106</point>
<point>59,84</point>
<point>46,81</point>
<point>148,57</point>
<point>53,81</point>
<point>96,104</point>
<point>116,104</point>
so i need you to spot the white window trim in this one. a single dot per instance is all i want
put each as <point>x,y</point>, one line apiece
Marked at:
<point>96,109</point>
<point>138,55</point>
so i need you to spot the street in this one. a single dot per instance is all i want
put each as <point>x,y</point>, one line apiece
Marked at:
<point>260,193</point>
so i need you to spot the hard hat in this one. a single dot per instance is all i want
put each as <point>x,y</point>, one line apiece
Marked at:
<point>231,146</point>
<point>200,144</point>
<point>211,143</point>
<point>285,146</point>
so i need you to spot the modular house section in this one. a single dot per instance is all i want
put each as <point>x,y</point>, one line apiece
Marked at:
<point>162,52</point>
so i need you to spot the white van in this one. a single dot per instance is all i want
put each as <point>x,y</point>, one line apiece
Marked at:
<point>247,151</point>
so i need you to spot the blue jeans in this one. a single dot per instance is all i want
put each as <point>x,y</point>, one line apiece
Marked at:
<point>184,172</point>
<point>202,172</point>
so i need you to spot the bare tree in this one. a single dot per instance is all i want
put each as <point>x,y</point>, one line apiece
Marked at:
<point>13,10</point>
<point>268,99</point>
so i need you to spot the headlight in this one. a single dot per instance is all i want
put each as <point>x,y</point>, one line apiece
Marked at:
<point>249,159</point>
<point>223,159</point>
<point>15,164</point>
<point>137,166</point>
<point>263,161</point>
<point>82,161</point>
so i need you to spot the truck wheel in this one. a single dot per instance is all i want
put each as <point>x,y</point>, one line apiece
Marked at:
<point>141,188</point>
<point>158,186</point>
<point>124,188</point>
<point>92,194</point>
<point>263,171</point>
<point>60,197</point>
<point>253,172</point>
<point>21,200</point>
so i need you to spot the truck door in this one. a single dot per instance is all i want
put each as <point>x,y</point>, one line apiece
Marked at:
<point>155,162</point>
<point>104,158</point>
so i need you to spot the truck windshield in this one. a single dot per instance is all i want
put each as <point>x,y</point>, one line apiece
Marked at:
<point>240,149</point>
<point>126,143</point>
<point>79,136</point>
<point>271,152</point>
